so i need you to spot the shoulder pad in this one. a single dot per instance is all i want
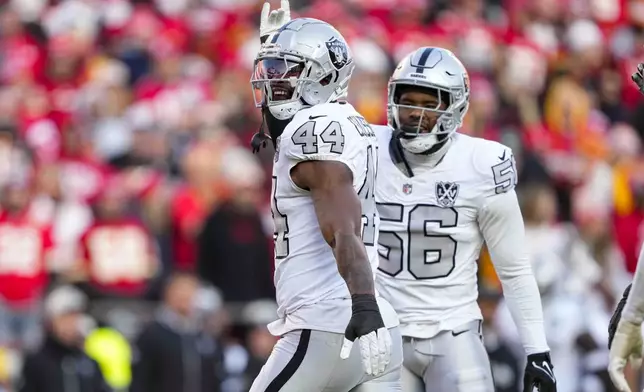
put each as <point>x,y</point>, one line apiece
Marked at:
<point>496,162</point>
<point>316,136</point>
<point>383,133</point>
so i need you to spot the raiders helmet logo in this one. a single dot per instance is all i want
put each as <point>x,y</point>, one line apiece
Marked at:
<point>338,53</point>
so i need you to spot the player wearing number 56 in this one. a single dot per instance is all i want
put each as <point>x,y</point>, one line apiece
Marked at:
<point>441,194</point>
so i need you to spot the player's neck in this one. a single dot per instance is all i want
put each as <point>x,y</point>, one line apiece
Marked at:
<point>430,160</point>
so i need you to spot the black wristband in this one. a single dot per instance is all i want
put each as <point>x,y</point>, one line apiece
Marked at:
<point>364,303</point>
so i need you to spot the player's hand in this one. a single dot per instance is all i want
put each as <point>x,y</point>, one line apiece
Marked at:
<point>539,374</point>
<point>374,340</point>
<point>271,21</point>
<point>638,77</point>
<point>626,347</point>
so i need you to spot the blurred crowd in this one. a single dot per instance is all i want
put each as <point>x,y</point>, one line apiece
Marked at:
<point>135,230</point>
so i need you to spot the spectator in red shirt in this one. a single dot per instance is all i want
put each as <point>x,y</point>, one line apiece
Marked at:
<point>119,256</point>
<point>24,247</point>
<point>192,203</point>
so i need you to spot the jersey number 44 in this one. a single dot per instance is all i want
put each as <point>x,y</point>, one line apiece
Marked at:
<point>333,138</point>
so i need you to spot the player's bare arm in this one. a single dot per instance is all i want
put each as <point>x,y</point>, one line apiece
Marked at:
<point>339,215</point>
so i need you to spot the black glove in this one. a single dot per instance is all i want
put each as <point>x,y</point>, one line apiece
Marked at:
<point>617,314</point>
<point>367,327</point>
<point>638,77</point>
<point>365,317</point>
<point>539,374</point>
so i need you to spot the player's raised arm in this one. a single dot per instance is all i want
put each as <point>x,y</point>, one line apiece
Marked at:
<point>501,224</point>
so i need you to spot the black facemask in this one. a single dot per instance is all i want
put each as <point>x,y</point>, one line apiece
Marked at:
<point>274,126</point>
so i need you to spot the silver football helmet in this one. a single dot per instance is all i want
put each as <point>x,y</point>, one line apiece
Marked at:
<point>306,62</point>
<point>439,71</point>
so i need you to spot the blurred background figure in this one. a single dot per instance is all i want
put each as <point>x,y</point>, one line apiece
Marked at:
<point>175,352</point>
<point>61,364</point>
<point>234,254</point>
<point>260,342</point>
<point>24,249</point>
<point>124,128</point>
<point>118,255</point>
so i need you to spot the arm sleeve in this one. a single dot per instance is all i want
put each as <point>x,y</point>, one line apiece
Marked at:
<point>634,308</point>
<point>501,223</point>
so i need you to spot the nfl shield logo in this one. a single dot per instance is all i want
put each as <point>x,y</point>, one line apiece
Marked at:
<point>446,193</point>
<point>407,189</point>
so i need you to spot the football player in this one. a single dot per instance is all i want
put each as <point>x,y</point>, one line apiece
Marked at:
<point>625,328</point>
<point>440,195</point>
<point>324,211</point>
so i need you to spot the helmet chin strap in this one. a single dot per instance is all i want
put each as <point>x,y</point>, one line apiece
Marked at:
<point>398,151</point>
<point>414,144</point>
<point>274,126</point>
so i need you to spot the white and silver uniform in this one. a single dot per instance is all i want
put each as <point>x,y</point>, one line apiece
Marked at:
<point>307,281</point>
<point>433,226</point>
<point>314,303</point>
<point>301,77</point>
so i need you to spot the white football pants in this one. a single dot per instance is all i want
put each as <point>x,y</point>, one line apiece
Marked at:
<point>309,361</point>
<point>452,361</point>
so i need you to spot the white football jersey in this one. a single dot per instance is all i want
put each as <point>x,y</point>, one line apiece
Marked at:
<point>310,291</point>
<point>430,239</point>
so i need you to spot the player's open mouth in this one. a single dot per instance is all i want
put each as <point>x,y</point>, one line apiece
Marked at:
<point>281,93</point>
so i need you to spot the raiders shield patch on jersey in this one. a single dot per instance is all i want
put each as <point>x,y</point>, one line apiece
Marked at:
<point>446,193</point>
<point>406,189</point>
<point>337,52</point>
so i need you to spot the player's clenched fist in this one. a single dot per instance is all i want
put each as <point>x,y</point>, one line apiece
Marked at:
<point>374,340</point>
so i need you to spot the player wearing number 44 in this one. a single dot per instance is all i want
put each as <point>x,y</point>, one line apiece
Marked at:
<point>441,194</point>
<point>323,197</point>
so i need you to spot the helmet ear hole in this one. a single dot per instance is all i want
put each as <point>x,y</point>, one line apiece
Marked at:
<point>445,98</point>
<point>327,79</point>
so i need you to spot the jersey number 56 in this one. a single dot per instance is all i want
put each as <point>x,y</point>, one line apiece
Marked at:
<point>415,243</point>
